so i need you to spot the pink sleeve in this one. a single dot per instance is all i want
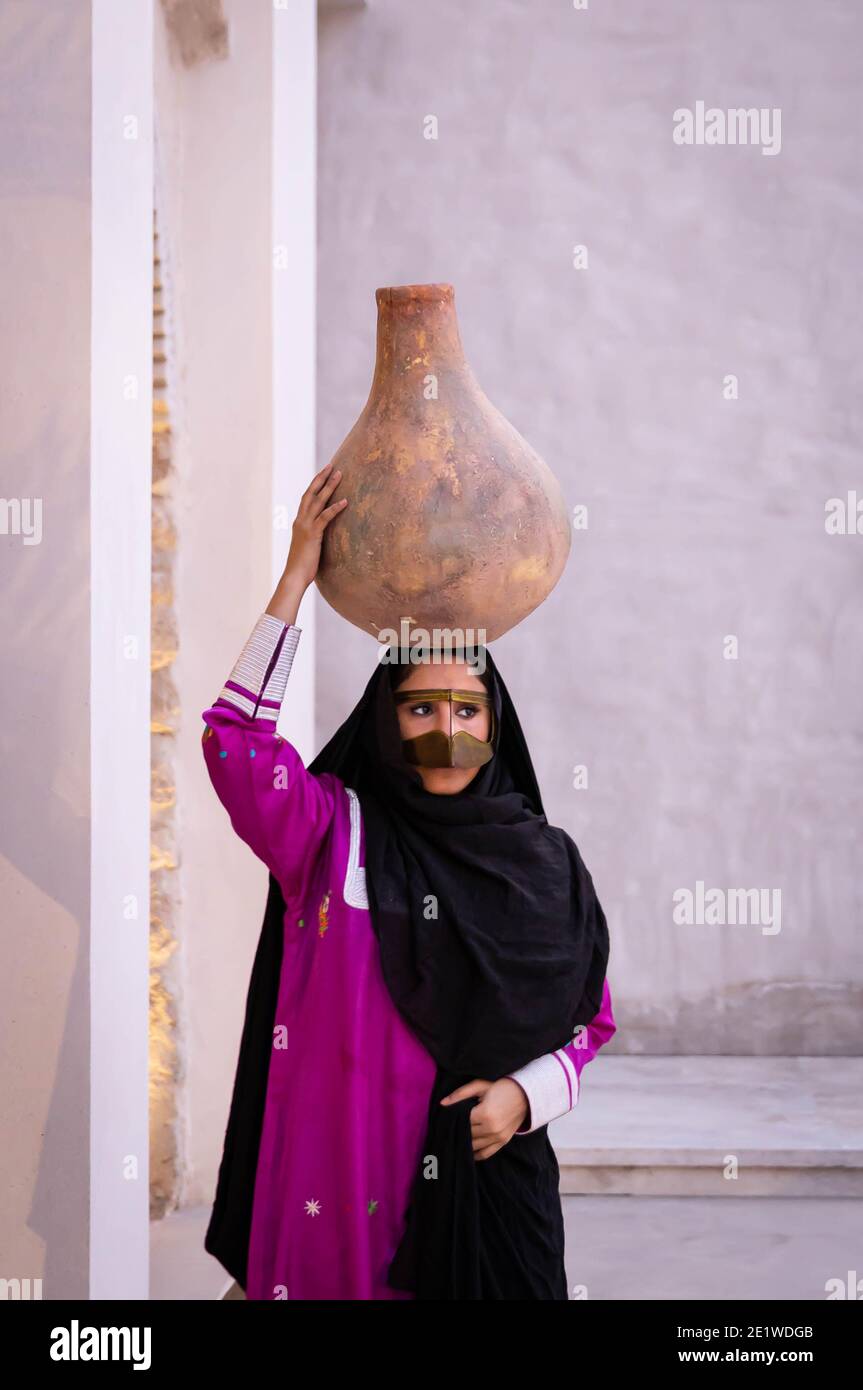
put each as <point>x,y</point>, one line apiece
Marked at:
<point>281,811</point>
<point>551,1083</point>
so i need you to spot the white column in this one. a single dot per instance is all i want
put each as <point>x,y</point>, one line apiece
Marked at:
<point>294,167</point>
<point>120,462</point>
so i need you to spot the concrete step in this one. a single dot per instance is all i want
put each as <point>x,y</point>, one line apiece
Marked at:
<point>715,1127</point>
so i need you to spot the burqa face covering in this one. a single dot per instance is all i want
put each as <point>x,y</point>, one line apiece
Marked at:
<point>437,749</point>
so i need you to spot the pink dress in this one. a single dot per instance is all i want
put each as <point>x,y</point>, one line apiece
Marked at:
<point>349,1084</point>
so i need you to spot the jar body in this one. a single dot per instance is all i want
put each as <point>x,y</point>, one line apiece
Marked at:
<point>453,521</point>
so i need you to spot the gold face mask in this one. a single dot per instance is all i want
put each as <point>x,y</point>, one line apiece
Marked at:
<point>437,749</point>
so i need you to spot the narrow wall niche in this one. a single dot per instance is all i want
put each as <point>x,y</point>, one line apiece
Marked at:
<point>164,713</point>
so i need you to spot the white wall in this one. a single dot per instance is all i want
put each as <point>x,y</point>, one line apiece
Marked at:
<point>706,516</point>
<point>121,436</point>
<point>45,641</point>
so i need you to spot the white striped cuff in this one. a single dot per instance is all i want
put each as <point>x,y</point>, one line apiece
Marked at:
<point>551,1086</point>
<point>257,684</point>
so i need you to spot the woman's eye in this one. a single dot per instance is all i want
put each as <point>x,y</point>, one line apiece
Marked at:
<point>463,711</point>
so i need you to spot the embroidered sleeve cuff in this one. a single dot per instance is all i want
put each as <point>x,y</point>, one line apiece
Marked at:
<point>551,1086</point>
<point>257,684</point>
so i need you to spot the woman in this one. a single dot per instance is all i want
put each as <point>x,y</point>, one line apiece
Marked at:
<point>429,983</point>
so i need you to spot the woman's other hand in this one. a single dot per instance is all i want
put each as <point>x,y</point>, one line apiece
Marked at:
<point>493,1122</point>
<point>314,514</point>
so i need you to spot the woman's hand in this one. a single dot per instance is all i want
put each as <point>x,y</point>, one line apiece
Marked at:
<point>313,516</point>
<point>504,1106</point>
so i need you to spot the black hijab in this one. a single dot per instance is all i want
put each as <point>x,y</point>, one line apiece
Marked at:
<point>493,948</point>
<point>516,954</point>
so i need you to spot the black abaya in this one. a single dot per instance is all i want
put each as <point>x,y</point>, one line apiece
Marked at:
<point>513,960</point>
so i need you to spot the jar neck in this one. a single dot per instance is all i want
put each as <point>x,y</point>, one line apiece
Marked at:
<point>417,331</point>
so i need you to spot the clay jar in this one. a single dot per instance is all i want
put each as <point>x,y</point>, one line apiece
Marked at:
<point>453,521</point>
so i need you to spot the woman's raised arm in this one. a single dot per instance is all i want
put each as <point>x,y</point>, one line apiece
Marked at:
<point>276,806</point>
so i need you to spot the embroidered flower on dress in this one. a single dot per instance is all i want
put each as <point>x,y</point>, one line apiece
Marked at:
<point>323,912</point>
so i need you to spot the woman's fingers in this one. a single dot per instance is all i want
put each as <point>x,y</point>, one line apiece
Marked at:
<point>480,1154</point>
<point>472,1088</point>
<point>484,1131</point>
<point>310,496</point>
<point>328,513</point>
<point>324,493</point>
<point>313,513</point>
<point>318,480</point>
